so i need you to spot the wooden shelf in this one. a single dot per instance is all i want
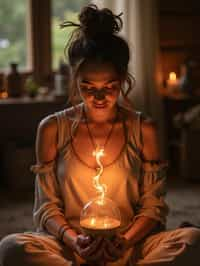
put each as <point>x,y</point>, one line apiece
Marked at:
<point>35,100</point>
<point>178,95</point>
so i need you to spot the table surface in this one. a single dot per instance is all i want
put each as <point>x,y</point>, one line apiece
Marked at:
<point>178,95</point>
<point>19,117</point>
<point>35,100</point>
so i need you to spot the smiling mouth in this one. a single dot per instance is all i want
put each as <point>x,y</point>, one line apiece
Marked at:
<point>97,105</point>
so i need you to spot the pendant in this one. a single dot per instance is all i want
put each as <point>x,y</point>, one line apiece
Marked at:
<point>98,169</point>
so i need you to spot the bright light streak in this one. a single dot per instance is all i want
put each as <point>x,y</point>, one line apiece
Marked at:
<point>101,188</point>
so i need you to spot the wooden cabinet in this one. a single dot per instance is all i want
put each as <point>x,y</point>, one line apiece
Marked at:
<point>19,119</point>
<point>179,40</point>
<point>174,104</point>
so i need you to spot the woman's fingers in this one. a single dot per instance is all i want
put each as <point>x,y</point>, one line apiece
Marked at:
<point>111,251</point>
<point>96,256</point>
<point>101,249</point>
<point>92,247</point>
<point>112,248</point>
<point>83,240</point>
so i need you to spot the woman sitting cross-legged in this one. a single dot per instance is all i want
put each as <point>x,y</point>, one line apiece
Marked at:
<point>133,172</point>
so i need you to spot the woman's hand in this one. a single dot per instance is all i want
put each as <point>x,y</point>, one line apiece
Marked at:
<point>90,249</point>
<point>114,249</point>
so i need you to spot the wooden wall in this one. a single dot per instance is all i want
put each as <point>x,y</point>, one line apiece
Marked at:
<point>179,30</point>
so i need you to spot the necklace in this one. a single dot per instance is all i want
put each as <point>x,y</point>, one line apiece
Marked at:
<point>106,141</point>
<point>96,146</point>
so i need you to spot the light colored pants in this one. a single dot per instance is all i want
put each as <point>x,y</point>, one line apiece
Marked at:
<point>175,247</point>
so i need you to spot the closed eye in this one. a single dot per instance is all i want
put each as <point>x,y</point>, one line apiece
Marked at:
<point>93,90</point>
<point>87,90</point>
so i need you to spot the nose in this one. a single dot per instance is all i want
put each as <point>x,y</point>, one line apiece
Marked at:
<point>99,95</point>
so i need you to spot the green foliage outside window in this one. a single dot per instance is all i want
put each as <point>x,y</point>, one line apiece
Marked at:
<point>13,32</point>
<point>63,10</point>
<point>13,44</point>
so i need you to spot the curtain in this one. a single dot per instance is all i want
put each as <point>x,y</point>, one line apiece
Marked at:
<point>140,29</point>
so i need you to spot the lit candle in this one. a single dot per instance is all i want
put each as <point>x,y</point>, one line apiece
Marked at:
<point>172,82</point>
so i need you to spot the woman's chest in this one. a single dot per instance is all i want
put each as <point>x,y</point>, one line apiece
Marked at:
<point>77,180</point>
<point>79,176</point>
<point>85,143</point>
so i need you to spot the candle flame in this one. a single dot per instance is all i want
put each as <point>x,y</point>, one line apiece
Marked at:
<point>172,76</point>
<point>101,188</point>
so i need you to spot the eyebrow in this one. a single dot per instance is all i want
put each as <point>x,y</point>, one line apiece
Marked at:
<point>90,83</point>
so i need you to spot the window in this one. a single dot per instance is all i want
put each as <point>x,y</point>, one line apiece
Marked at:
<point>13,38</point>
<point>30,35</point>
<point>61,11</point>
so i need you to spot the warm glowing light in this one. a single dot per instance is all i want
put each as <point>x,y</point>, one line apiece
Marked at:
<point>93,221</point>
<point>100,223</point>
<point>173,82</point>
<point>100,215</point>
<point>3,95</point>
<point>172,76</point>
<point>101,188</point>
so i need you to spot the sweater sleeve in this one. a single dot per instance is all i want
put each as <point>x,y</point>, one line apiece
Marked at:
<point>48,201</point>
<point>152,191</point>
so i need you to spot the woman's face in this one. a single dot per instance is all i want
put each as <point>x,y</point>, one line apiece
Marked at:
<point>99,87</point>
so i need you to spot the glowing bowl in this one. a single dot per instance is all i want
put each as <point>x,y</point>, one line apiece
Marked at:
<point>100,217</point>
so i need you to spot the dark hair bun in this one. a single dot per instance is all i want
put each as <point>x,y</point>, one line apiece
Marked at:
<point>95,22</point>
